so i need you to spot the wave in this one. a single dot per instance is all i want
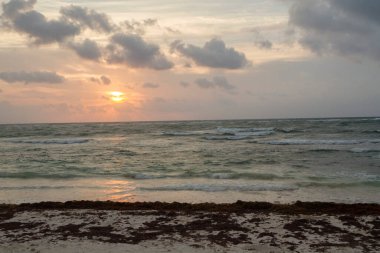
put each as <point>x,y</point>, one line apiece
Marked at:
<point>318,142</point>
<point>51,141</point>
<point>235,130</point>
<point>332,150</point>
<point>322,150</point>
<point>145,176</point>
<point>339,184</point>
<point>364,150</point>
<point>213,175</point>
<point>30,175</point>
<point>174,133</point>
<point>238,135</point>
<point>220,188</point>
<point>371,131</point>
<point>287,130</point>
<point>47,187</point>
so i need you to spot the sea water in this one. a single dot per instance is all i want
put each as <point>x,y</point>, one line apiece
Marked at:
<point>193,161</point>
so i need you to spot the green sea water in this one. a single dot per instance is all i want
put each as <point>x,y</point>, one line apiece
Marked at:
<point>221,161</point>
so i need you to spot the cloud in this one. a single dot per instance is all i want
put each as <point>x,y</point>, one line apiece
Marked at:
<point>204,83</point>
<point>87,49</point>
<point>366,9</point>
<point>348,28</point>
<point>264,44</point>
<point>105,80</point>
<point>213,54</point>
<point>184,84</point>
<point>101,80</point>
<point>216,81</point>
<point>138,27</point>
<point>13,7</point>
<point>31,77</point>
<point>151,85</point>
<point>95,80</point>
<point>133,51</point>
<point>172,30</point>
<point>20,16</point>
<point>88,18</point>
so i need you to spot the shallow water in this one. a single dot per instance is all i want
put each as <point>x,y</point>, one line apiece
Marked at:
<point>220,161</point>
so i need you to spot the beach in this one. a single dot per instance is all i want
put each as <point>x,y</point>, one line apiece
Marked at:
<point>87,226</point>
<point>301,185</point>
<point>189,126</point>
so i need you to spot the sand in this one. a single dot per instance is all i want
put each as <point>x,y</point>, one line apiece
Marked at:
<point>85,226</point>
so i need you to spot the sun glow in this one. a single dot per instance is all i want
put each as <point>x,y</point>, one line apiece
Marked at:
<point>117,96</point>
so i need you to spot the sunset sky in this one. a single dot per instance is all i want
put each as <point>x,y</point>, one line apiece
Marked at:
<point>132,60</point>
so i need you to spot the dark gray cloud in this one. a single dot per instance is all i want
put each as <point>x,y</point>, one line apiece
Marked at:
<point>264,44</point>
<point>20,16</point>
<point>216,81</point>
<point>31,77</point>
<point>88,18</point>
<point>151,85</point>
<point>13,7</point>
<point>348,28</point>
<point>366,9</point>
<point>101,80</point>
<point>132,50</point>
<point>172,30</point>
<point>95,80</point>
<point>139,27</point>
<point>213,54</point>
<point>105,80</point>
<point>260,41</point>
<point>184,84</point>
<point>87,49</point>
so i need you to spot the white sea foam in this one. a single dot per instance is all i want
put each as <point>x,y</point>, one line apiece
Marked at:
<point>48,187</point>
<point>215,175</point>
<point>173,133</point>
<point>225,130</point>
<point>287,130</point>
<point>220,187</point>
<point>238,135</point>
<point>51,141</point>
<point>221,137</point>
<point>144,176</point>
<point>364,150</point>
<point>318,142</point>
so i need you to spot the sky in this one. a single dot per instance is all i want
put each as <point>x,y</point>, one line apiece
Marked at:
<point>146,60</point>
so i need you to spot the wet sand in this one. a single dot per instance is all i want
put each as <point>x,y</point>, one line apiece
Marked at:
<point>84,226</point>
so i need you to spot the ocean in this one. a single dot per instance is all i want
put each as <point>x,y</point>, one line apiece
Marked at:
<point>280,161</point>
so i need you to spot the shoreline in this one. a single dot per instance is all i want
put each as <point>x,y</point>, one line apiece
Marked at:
<point>296,208</point>
<point>96,226</point>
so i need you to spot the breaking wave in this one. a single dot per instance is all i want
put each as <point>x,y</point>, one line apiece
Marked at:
<point>220,188</point>
<point>51,141</point>
<point>318,142</point>
<point>214,175</point>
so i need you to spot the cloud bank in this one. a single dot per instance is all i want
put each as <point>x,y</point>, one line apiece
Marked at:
<point>347,28</point>
<point>151,85</point>
<point>213,54</point>
<point>87,49</point>
<point>32,77</point>
<point>20,16</point>
<point>215,82</point>
<point>132,50</point>
<point>85,17</point>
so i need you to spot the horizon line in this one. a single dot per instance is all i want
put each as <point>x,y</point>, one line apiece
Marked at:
<point>184,120</point>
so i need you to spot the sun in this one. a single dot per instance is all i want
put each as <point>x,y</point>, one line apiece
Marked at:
<point>117,96</point>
